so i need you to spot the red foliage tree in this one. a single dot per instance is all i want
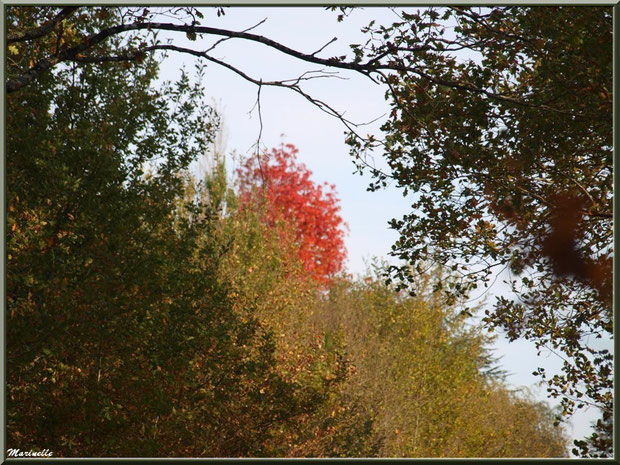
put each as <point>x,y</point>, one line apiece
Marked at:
<point>282,186</point>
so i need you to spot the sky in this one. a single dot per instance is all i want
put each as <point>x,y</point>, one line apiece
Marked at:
<point>289,118</point>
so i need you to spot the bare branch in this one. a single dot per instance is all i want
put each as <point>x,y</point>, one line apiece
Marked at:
<point>255,26</point>
<point>90,41</point>
<point>259,82</point>
<point>324,46</point>
<point>364,68</point>
<point>316,74</point>
<point>228,38</point>
<point>260,122</point>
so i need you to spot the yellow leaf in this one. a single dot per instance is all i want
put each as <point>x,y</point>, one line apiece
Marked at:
<point>13,50</point>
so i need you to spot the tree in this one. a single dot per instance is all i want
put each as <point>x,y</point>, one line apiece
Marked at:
<point>270,285</point>
<point>421,378</point>
<point>509,154</point>
<point>297,206</point>
<point>122,337</point>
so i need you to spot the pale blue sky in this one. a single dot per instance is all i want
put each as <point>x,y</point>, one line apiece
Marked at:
<point>289,118</point>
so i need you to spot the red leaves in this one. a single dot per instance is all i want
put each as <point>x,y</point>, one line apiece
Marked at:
<point>291,199</point>
<point>560,247</point>
<point>561,244</point>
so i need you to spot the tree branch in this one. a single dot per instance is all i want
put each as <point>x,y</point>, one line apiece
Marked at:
<point>90,41</point>
<point>43,29</point>
<point>471,88</point>
<point>364,68</point>
<point>324,46</point>
<point>291,84</point>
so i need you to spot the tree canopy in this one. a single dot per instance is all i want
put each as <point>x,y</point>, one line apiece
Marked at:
<point>509,155</point>
<point>119,281</point>
<point>304,210</point>
<point>124,336</point>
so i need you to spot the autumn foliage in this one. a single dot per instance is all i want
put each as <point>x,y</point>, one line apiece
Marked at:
<point>303,212</point>
<point>148,316</point>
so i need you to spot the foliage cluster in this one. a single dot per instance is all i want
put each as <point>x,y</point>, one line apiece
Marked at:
<point>284,188</point>
<point>501,129</point>
<point>423,375</point>
<point>150,315</point>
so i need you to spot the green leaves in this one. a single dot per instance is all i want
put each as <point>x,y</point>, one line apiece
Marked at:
<point>147,315</point>
<point>427,379</point>
<point>497,149</point>
<point>98,276</point>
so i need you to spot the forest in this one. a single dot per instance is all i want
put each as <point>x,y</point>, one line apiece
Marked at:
<point>157,310</point>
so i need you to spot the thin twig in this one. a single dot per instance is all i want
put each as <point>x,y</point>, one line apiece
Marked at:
<point>228,38</point>
<point>324,46</point>
<point>260,131</point>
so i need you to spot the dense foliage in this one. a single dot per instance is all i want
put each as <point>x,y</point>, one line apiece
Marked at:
<point>422,374</point>
<point>292,201</point>
<point>122,339</point>
<point>501,127</point>
<point>152,315</point>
